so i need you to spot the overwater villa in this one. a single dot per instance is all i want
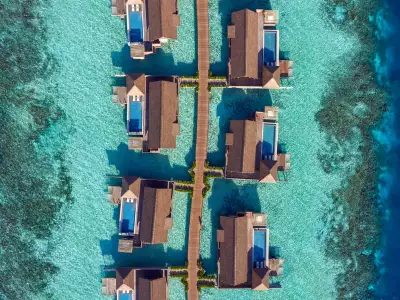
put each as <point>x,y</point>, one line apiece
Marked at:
<point>152,111</point>
<point>252,148</point>
<point>137,284</point>
<point>254,50</point>
<point>149,23</point>
<point>243,253</point>
<point>145,211</point>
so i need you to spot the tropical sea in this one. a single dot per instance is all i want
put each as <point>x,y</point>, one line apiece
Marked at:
<point>61,141</point>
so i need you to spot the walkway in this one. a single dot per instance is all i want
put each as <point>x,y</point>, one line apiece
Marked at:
<point>201,145</point>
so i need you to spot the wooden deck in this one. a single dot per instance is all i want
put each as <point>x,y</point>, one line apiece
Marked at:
<point>201,145</point>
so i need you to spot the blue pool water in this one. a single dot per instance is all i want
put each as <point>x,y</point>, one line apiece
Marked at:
<point>128,217</point>
<point>270,46</point>
<point>125,296</point>
<point>135,116</point>
<point>268,143</point>
<point>260,242</point>
<point>135,26</point>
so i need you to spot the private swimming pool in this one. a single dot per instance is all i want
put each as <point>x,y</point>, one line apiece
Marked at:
<point>135,24</point>
<point>125,296</point>
<point>135,120</point>
<point>270,47</point>
<point>260,246</point>
<point>268,142</point>
<point>127,218</point>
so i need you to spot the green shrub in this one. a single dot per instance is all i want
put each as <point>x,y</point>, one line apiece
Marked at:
<point>208,166</point>
<point>185,283</point>
<point>207,277</point>
<point>217,77</point>
<point>179,267</point>
<point>213,175</point>
<point>183,182</point>
<point>207,286</point>
<point>189,85</point>
<point>191,170</point>
<point>207,185</point>
<point>184,189</point>
<point>192,77</point>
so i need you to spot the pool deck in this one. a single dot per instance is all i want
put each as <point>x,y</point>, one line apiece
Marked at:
<point>201,145</point>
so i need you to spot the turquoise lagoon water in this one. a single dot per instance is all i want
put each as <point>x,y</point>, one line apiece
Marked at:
<point>295,209</point>
<point>90,46</point>
<point>85,48</point>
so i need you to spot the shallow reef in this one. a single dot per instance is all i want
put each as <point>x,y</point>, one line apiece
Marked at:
<point>352,108</point>
<point>34,184</point>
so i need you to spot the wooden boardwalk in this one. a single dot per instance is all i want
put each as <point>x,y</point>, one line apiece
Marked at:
<point>201,146</point>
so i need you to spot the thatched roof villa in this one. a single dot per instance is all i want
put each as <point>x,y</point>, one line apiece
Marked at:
<point>149,23</point>
<point>137,283</point>
<point>252,148</point>
<point>152,111</point>
<point>254,59</point>
<point>145,211</point>
<point>243,253</point>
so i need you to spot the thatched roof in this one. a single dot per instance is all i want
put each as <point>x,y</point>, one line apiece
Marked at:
<point>163,19</point>
<point>235,251</point>
<point>242,152</point>
<point>260,279</point>
<point>136,84</point>
<point>156,209</point>
<point>271,77</point>
<point>163,111</point>
<point>244,45</point>
<point>152,289</point>
<point>125,278</point>
<point>130,187</point>
<point>151,285</point>
<point>269,171</point>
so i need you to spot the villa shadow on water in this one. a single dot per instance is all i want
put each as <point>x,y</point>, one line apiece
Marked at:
<point>236,104</point>
<point>160,63</point>
<point>225,8</point>
<point>158,255</point>
<point>227,198</point>
<point>146,165</point>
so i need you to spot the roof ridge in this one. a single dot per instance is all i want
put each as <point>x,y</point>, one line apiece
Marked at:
<point>162,104</point>
<point>161,17</point>
<point>237,220</point>
<point>242,148</point>
<point>153,227</point>
<point>245,133</point>
<point>246,20</point>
